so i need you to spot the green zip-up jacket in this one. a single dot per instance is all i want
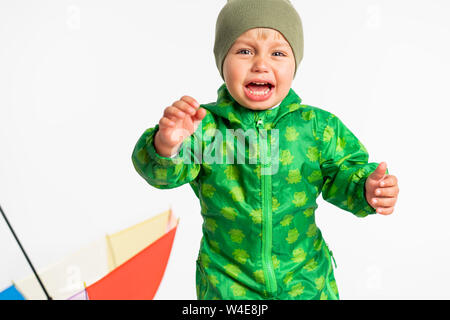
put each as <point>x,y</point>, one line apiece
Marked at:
<point>260,239</point>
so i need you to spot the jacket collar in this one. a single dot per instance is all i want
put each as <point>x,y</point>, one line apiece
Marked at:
<point>241,117</point>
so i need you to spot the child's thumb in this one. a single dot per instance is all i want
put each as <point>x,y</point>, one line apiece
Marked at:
<point>200,114</point>
<point>379,172</point>
<point>198,117</point>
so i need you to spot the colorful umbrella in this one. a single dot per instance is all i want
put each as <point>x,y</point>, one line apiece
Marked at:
<point>129,264</point>
<point>11,293</point>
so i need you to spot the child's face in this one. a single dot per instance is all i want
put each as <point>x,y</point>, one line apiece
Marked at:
<point>252,58</point>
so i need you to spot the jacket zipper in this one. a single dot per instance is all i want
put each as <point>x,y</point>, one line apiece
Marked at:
<point>331,255</point>
<point>266,186</point>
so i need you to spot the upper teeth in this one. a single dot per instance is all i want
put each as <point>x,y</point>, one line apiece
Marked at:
<point>261,83</point>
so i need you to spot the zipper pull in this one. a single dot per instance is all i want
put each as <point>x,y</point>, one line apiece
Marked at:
<point>259,123</point>
<point>332,257</point>
<point>331,254</point>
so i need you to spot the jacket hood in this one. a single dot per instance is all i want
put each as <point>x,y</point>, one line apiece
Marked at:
<point>241,117</point>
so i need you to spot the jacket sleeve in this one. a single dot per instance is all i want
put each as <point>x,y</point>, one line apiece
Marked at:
<point>165,172</point>
<point>345,168</point>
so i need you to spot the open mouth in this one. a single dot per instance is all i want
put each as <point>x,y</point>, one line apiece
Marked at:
<point>259,91</point>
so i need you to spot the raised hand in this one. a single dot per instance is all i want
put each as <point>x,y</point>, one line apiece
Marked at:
<point>381,190</point>
<point>180,120</point>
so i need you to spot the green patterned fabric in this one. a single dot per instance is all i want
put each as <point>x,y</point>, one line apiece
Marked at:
<point>260,239</point>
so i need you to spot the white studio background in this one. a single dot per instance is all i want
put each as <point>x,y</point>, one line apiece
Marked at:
<point>81,80</point>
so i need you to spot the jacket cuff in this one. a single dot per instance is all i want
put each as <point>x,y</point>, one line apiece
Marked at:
<point>176,153</point>
<point>364,208</point>
<point>159,159</point>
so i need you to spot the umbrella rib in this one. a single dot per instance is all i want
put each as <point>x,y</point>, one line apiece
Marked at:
<point>25,254</point>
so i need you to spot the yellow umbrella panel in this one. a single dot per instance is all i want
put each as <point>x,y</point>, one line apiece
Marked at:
<point>104,269</point>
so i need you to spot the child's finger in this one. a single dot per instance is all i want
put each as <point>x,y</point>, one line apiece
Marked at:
<point>385,211</point>
<point>201,113</point>
<point>185,107</point>
<point>386,192</point>
<point>174,112</point>
<point>166,122</point>
<point>191,101</point>
<point>388,181</point>
<point>384,202</point>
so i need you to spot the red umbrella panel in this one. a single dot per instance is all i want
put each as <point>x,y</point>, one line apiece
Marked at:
<point>139,277</point>
<point>129,264</point>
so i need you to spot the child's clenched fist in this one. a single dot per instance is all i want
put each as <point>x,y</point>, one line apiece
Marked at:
<point>382,190</point>
<point>180,120</point>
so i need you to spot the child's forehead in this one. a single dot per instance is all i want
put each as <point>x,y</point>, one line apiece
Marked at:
<point>262,34</point>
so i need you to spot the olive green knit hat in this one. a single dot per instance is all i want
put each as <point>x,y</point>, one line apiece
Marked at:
<point>238,16</point>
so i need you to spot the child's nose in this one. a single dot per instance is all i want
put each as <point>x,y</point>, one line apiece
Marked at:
<point>260,64</point>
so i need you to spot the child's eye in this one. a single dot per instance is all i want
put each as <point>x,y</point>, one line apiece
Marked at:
<point>243,50</point>
<point>282,54</point>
